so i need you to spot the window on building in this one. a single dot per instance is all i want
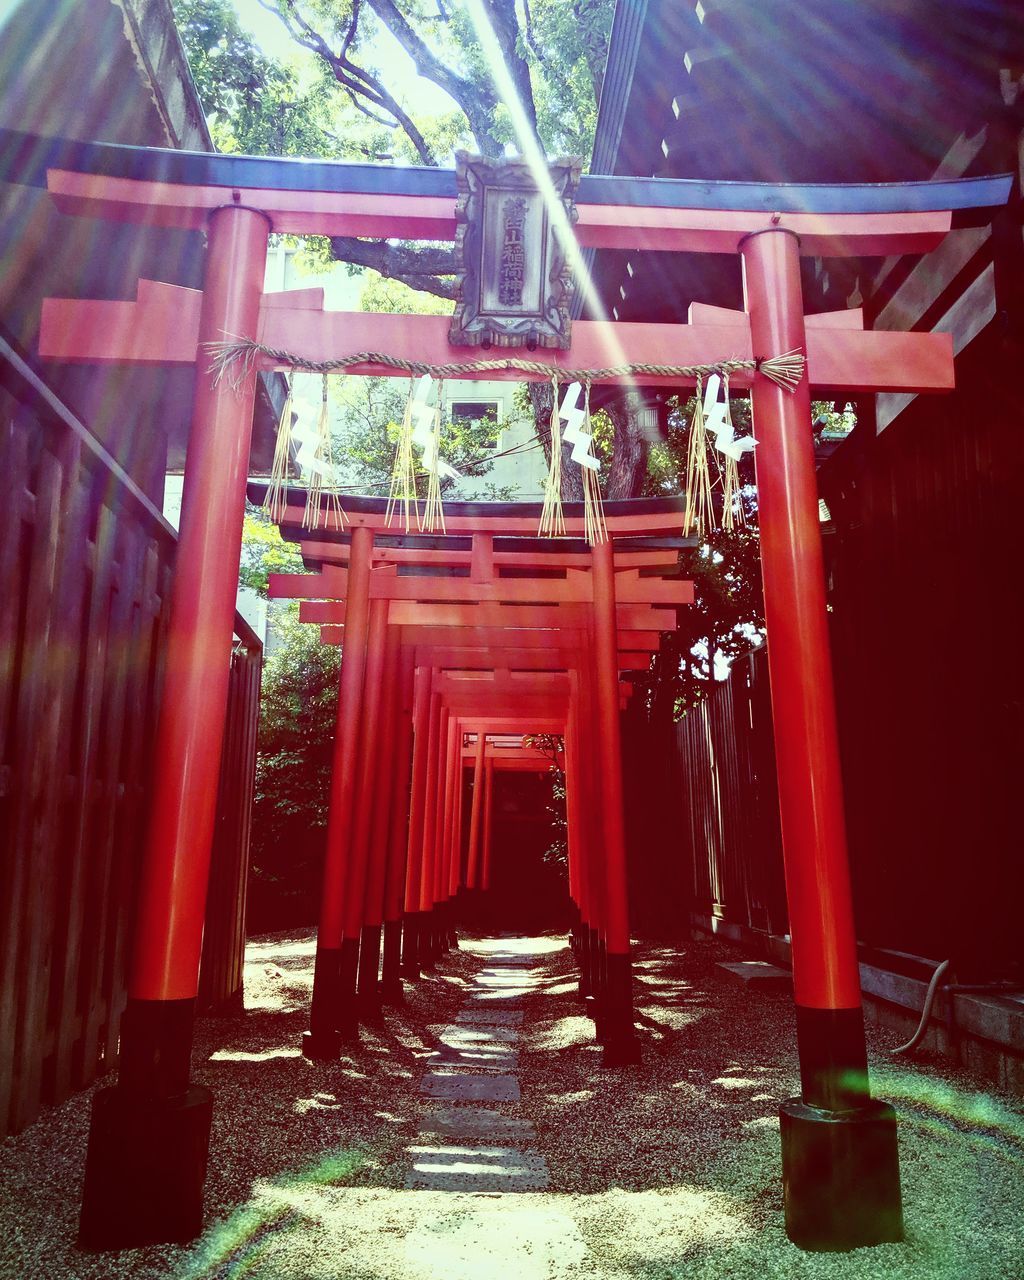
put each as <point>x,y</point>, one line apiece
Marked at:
<point>482,412</point>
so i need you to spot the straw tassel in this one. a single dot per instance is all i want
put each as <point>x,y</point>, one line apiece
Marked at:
<point>275,503</point>
<point>552,520</point>
<point>403,473</point>
<point>595,527</point>
<point>433,507</point>
<point>733,515</point>
<point>321,498</point>
<point>699,513</point>
<point>785,370</point>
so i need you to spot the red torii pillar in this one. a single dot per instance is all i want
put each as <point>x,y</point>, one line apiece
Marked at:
<point>385,781</point>
<point>620,1044</point>
<point>488,824</point>
<point>473,877</point>
<point>332,1014</point>
<point>149,1135</point>
<point>839,1158</point>
<point>399,871</point>
<point>411,930</point>
<point>358,884</point>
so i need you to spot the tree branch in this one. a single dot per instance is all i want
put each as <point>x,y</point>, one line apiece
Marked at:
<point>530,38</point>
<point>352,77</point>
<point>418,267</point>
<point>505,24</point>
<point>477,101</point>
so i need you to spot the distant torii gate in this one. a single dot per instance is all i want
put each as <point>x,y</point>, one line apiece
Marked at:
<point>149,1137</point>
<point>487,608</point>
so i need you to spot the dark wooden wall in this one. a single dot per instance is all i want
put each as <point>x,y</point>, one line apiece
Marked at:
<point>220,978</point>
<point>924,583</point>
<point>926,588</point>
<point>85,566</point>
<point>726,791</point>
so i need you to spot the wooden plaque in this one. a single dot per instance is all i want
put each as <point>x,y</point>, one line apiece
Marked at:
<point>515,283</point>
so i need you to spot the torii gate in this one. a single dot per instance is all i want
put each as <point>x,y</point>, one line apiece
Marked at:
<point>149,1135</point>
<point>488,608</point>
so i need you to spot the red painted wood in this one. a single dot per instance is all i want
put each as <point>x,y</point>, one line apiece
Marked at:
<point>609,751</point>
<point>518,724</point>
<point>337,553</point>
<point>825,973</point>
<point>635,646</point>
<point>172,893</point>
<point>452,776</point>
<point>455,875</point>
<point>401,794</point>
<point>431,785</point>
<point>577,587</point>
<point>153,332</point>
<point>704,313</point>
<point>412,613</point>
<point>386,767</point>
<point>433,218</point>
<point>418,790</point>
<point>368,774</point>
<point>488,826</point>
<point>345,772</point>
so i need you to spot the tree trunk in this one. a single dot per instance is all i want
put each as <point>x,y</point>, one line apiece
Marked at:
<point>572,473</point>
<point>632,445</point>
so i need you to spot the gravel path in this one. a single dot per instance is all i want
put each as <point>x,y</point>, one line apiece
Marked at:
<point>665,1171</point>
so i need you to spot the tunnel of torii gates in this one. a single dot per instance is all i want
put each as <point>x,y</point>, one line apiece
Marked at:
<point>548,650</point>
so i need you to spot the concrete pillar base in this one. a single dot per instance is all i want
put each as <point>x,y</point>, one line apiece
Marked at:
<point>840,1176</point>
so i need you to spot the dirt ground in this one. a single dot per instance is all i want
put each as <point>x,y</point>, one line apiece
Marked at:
<point>662,1171</point>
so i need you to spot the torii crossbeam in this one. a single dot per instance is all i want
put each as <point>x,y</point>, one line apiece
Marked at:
<point>839,1151</point>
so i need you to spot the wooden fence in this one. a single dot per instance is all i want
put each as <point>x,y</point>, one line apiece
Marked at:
<point>85,567</point>
<point>727,791</point>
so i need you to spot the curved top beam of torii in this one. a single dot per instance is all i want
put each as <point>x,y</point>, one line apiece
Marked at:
<point>178,188</point>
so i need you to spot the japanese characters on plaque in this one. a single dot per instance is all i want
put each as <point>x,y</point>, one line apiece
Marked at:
<point>514,280</point>
<point>511,277</point>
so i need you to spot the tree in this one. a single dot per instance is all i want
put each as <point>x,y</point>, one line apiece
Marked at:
<point>264,552</point>
<point>253,103</point>
<point>550,52</point>
<point>293,775</point>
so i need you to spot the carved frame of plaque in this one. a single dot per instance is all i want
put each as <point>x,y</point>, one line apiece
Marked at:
<point>514,278</point>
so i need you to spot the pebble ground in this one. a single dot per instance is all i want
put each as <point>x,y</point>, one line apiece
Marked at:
<point>369,1169</point>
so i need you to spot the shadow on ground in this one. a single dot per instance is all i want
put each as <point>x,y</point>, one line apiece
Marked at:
<point>663,1171</point>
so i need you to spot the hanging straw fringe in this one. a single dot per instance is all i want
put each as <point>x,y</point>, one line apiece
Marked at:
<point>319,495</point>
<point>595,527</point>
<point>433,507</point>
<point>236,358</point>
<point>699,513</point>
<point>552,520</point>
<point>733,515</point>
<point>403,474</point>
<point>275,502</point>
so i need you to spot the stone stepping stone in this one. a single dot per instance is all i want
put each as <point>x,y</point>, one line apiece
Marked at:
<point>757,973</point>
<point>491,1017</point>
<point>509,979</point>
<point>485,1169</point>
<point>467,1125</point>
<point>463,1037</point>
<point>457,1086</point>
<point>474,1059</point>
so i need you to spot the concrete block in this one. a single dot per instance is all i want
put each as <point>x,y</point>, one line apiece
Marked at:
<point>757,973</point>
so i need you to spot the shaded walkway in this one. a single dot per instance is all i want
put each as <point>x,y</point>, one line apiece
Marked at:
<point>666,1171</point>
